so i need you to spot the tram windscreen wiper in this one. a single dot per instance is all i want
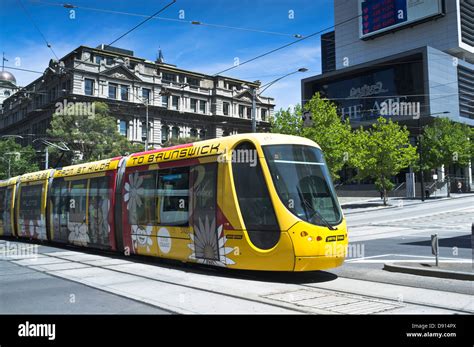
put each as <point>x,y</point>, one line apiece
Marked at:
<point>313,212</point>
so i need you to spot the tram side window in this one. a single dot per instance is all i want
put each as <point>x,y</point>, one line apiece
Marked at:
<point>254,200</point>
<point>158,197</point>
<point>142,198</point>
<point>30,207</point>
<point>60,202</point>
<point>7,217</point>
<point>78,201</point>
<point>173,196</point>
<point>5,211</point>
<point>204,178</point>
<point>99,207</point>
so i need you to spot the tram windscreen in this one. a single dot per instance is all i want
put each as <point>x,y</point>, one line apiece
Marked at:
<point>303,183</point>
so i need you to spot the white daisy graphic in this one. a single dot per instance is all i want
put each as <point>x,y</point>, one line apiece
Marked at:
<point>208,244</point>
<point>134,192</point>
<point>78,234</point>
<point>38,227</point>
<point>142,236</point>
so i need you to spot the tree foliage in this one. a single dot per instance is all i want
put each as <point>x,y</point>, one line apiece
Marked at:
<point>331,133</point>
<point>288,121</point>
<point>382,152</point>
<point>90,137</point>
<point>328,130</point>
<point>445,142</point>
<point>20,159</point>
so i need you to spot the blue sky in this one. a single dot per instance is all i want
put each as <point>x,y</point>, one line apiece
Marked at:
<point>201,48</point>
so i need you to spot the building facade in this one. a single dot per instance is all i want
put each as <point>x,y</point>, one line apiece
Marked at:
<point>180,103</point>
<point>415,54</point>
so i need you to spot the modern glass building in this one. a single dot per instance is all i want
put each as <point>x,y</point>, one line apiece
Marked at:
<point>416,55</point>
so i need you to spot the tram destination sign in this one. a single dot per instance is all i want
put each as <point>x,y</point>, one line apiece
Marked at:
<point>379,16</point>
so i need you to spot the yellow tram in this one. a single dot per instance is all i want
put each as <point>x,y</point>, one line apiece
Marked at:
<point>249,201</point>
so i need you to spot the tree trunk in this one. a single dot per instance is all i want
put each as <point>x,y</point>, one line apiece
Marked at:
<point>384,196</point>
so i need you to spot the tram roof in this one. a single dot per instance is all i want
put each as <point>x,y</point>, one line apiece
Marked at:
<point>9,182</point>
<point>88,168</point>
<point>211,147</point>
<point>35,176</point>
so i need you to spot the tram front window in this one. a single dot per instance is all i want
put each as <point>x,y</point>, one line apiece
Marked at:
<point>303,183</point>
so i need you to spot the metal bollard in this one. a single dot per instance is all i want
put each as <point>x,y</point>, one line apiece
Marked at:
<point>435,247</point>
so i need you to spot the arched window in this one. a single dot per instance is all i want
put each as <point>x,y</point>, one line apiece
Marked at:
<point>225,133</point>
<point>193,133</point>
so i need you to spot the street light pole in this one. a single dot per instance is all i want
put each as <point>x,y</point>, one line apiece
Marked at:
<point>254,110</point>
<point>254,96</point>
<point>17,155</point>
<point>422,179</point>
<point>46,158</point>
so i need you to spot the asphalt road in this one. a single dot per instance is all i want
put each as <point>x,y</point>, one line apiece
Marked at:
<point>24,290</point>
<point>403,234</point>
<point>70,281</point>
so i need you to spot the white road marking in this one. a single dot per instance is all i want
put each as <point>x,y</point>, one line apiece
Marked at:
<point>461,261</point>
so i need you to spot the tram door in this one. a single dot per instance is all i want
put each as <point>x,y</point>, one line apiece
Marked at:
<point>204,212</point>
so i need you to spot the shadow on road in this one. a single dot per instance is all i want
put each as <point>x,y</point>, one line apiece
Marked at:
<point>463,241</point>
<point>262,276</point>
<point>364,205</point>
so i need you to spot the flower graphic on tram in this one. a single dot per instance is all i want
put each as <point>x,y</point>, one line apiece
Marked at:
<point>38,229</point>
<point>78,234</point>
<point>134,192</point>
<point>208,244</point>
<point>142,236</point>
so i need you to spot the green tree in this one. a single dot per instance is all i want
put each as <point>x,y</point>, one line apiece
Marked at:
<point>331,133</point>
<point>381,152</point>
<point>288,121</point>
<point>445,142</point>
<point>94,136</point>
<point>17,159</point>
<point>328,130</point>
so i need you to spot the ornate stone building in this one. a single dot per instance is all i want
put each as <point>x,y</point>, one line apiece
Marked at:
<point>180,103</point>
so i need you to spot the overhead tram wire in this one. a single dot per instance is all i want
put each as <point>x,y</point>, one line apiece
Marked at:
<point>26,70</point>
<point>129,31</point>
<point>287,45</point>
<point>294,42</point>
<point>142,22</point>
<point>38,29</point>
<point>192,22</point>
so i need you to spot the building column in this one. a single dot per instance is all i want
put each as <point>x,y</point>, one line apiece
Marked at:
<point>130,130</point>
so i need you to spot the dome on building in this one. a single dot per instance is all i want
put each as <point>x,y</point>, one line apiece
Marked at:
<point>7,76</point>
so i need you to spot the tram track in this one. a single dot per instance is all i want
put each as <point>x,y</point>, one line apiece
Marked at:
<point>107,268</point>
<point>239,275</point>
